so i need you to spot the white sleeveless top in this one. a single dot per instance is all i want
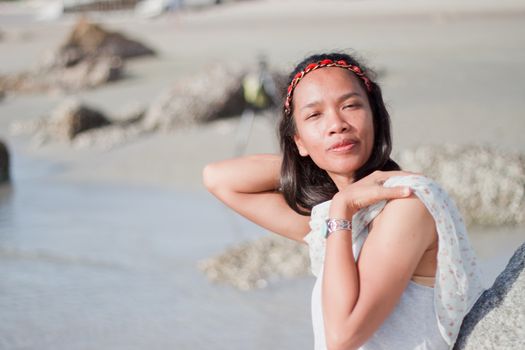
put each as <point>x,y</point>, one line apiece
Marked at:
<point>425,317</point>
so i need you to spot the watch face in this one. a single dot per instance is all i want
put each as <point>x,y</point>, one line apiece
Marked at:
<point>329,226</point>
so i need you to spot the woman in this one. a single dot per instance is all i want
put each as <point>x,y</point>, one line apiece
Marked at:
<point>393,263</point>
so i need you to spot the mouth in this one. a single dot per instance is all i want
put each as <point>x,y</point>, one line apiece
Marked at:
<point>345,145</point>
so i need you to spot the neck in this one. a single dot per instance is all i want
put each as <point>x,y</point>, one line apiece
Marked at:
<point>342,181</point>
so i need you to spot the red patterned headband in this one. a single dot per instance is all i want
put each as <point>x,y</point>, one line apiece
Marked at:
<point>321,64</point>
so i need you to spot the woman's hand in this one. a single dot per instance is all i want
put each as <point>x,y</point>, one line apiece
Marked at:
<point>365,192</point>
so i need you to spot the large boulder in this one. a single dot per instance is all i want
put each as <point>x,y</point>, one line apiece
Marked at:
<point>488,185</point>
<point>4,163</point>
<point>497,320</point>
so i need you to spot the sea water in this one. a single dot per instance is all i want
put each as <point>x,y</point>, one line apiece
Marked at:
<point>92,266</point>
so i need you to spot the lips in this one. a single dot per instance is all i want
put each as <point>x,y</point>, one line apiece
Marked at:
<point>343,145</point>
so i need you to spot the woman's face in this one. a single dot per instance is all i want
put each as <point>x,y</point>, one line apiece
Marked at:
<point>334,122</point>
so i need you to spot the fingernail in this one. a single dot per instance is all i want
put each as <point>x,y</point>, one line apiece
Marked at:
<point>407,191</point>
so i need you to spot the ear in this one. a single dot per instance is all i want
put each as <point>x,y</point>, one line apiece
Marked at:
<point>300,146</point>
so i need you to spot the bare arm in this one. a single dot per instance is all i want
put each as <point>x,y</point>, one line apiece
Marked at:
<point>249,185</point>
<point>358,297</point>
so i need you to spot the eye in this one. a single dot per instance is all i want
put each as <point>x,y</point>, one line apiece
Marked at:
<point>352,105</point>
<point>312,115</point>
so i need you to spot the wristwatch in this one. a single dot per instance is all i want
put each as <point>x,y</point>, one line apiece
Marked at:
<point>333,225</point>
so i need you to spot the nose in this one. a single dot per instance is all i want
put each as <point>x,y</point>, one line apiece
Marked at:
<point>336,124</point>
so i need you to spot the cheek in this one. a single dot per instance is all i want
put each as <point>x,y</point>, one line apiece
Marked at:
<point>312,141</point>
<point>367,126</point>
<point>309,137</point>
<point>369,129</point>
<point>370,139</point>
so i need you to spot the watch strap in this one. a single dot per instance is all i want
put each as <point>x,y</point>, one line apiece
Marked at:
<point>333,225</point>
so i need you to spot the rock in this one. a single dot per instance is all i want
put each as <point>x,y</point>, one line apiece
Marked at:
<point>126,127</point>
<point>497,319</point>
<point>72,118</point>
<point>107,137</point>
<point>89,73</point>
<point>91,56</point>
<point>253,264</point>
<point>88,40</point>
<point>82,126</point>
<point>4,163</point>
<point>214,93</point>
<point>487,185</point>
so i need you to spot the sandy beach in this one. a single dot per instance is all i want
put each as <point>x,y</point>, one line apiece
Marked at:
<point>98,247</point>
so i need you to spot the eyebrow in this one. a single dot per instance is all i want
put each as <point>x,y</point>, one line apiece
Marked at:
<point>339,99</point>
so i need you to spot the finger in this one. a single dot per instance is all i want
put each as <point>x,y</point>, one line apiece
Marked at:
<point>385,175</point>
<point>412,172</point>
<point>378,194</point>
<point>395,192</point>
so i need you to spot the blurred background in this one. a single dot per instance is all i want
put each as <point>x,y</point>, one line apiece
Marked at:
<point>109,110</point>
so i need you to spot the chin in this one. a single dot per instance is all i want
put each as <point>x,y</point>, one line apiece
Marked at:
<point>344,167</point>
<point>340,166</point>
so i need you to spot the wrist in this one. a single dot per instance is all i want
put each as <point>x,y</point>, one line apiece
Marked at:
<point>339,209</point>
<point>332,225</point>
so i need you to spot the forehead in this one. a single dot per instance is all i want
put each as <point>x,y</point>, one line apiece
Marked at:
<point>326,81</point>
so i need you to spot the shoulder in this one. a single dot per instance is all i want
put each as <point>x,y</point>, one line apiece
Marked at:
<point>434,197</point>
<point>420,184</point>
<point>410,217</point>
<point>405,210</point>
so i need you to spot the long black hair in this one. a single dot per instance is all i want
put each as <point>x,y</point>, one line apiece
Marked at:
<point>302,182</point>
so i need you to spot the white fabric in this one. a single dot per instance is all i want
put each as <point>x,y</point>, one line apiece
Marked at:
<point>411,325</point>
<point>458,278</point>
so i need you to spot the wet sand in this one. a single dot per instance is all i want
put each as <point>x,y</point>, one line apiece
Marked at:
<point>77,273</point>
